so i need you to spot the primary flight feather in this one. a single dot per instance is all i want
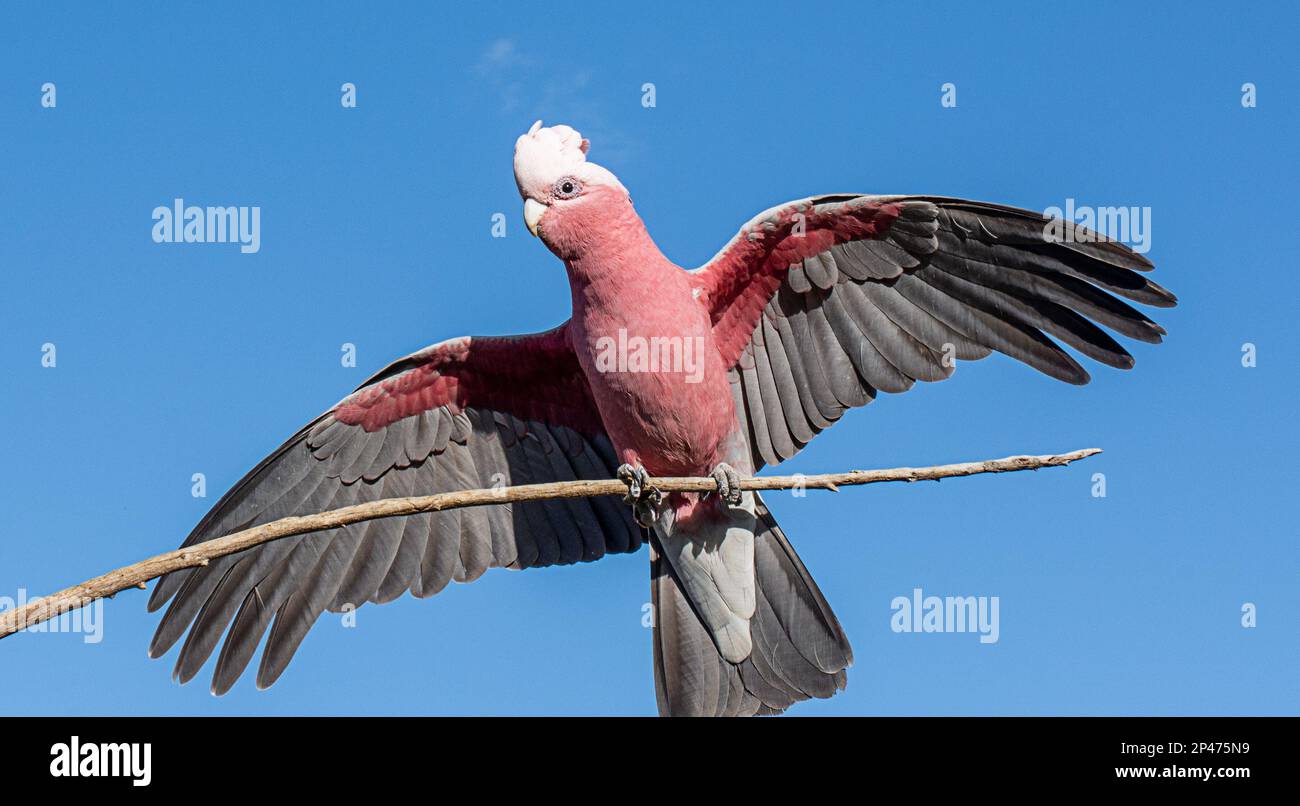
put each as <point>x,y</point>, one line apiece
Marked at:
<point>811,309</point>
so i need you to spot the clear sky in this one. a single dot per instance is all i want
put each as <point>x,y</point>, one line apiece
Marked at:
<point>176,359</point>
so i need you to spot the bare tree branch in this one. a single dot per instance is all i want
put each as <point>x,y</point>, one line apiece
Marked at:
<point>136,575</point>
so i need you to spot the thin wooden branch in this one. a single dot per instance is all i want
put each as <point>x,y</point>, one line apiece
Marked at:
<point>39,610</point>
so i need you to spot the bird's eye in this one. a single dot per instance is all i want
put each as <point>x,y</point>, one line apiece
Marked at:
<point>567,188</point>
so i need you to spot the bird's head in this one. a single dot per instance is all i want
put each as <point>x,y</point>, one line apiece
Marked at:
<point>557,182</point>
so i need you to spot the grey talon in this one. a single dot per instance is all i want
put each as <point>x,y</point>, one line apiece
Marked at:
<point>728,483</point>
<point>629,476</point>
<point>644,514</point>
<point>641,494</point>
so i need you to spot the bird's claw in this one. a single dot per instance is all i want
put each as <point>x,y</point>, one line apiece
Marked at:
<point>643,497</point>
<point>636,478</point>
<point>728,483</point>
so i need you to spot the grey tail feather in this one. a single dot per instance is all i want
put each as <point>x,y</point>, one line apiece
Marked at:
<point>800,650</point>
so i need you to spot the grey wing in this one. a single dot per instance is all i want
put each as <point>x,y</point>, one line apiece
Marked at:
<point>949,280</point>
<point>286,584</point>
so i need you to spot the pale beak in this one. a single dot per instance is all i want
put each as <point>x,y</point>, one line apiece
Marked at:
<point>533,214</point>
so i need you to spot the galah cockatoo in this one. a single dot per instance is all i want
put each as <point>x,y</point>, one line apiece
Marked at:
<point>813,308</point>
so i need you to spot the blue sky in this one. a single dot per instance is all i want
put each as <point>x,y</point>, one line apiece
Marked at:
<point>376,230</point>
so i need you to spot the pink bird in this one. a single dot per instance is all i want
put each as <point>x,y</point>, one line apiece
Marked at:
<point>813,308</point>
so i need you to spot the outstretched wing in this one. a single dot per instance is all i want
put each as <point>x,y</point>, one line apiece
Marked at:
<point>466,413</point>
<point>820,303</point>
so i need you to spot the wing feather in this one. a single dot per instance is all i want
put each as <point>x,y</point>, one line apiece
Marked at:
<point>462,414</point>
<point>873,293</point>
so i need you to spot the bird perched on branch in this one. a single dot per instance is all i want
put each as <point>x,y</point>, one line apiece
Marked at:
<point>813,308</point>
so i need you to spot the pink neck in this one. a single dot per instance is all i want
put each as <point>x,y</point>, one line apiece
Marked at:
<point>606,249</point>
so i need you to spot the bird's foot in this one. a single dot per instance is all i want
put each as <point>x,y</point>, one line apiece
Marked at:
<point>728,483</point>
<point>636,478</point>
<point>643,497</point>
